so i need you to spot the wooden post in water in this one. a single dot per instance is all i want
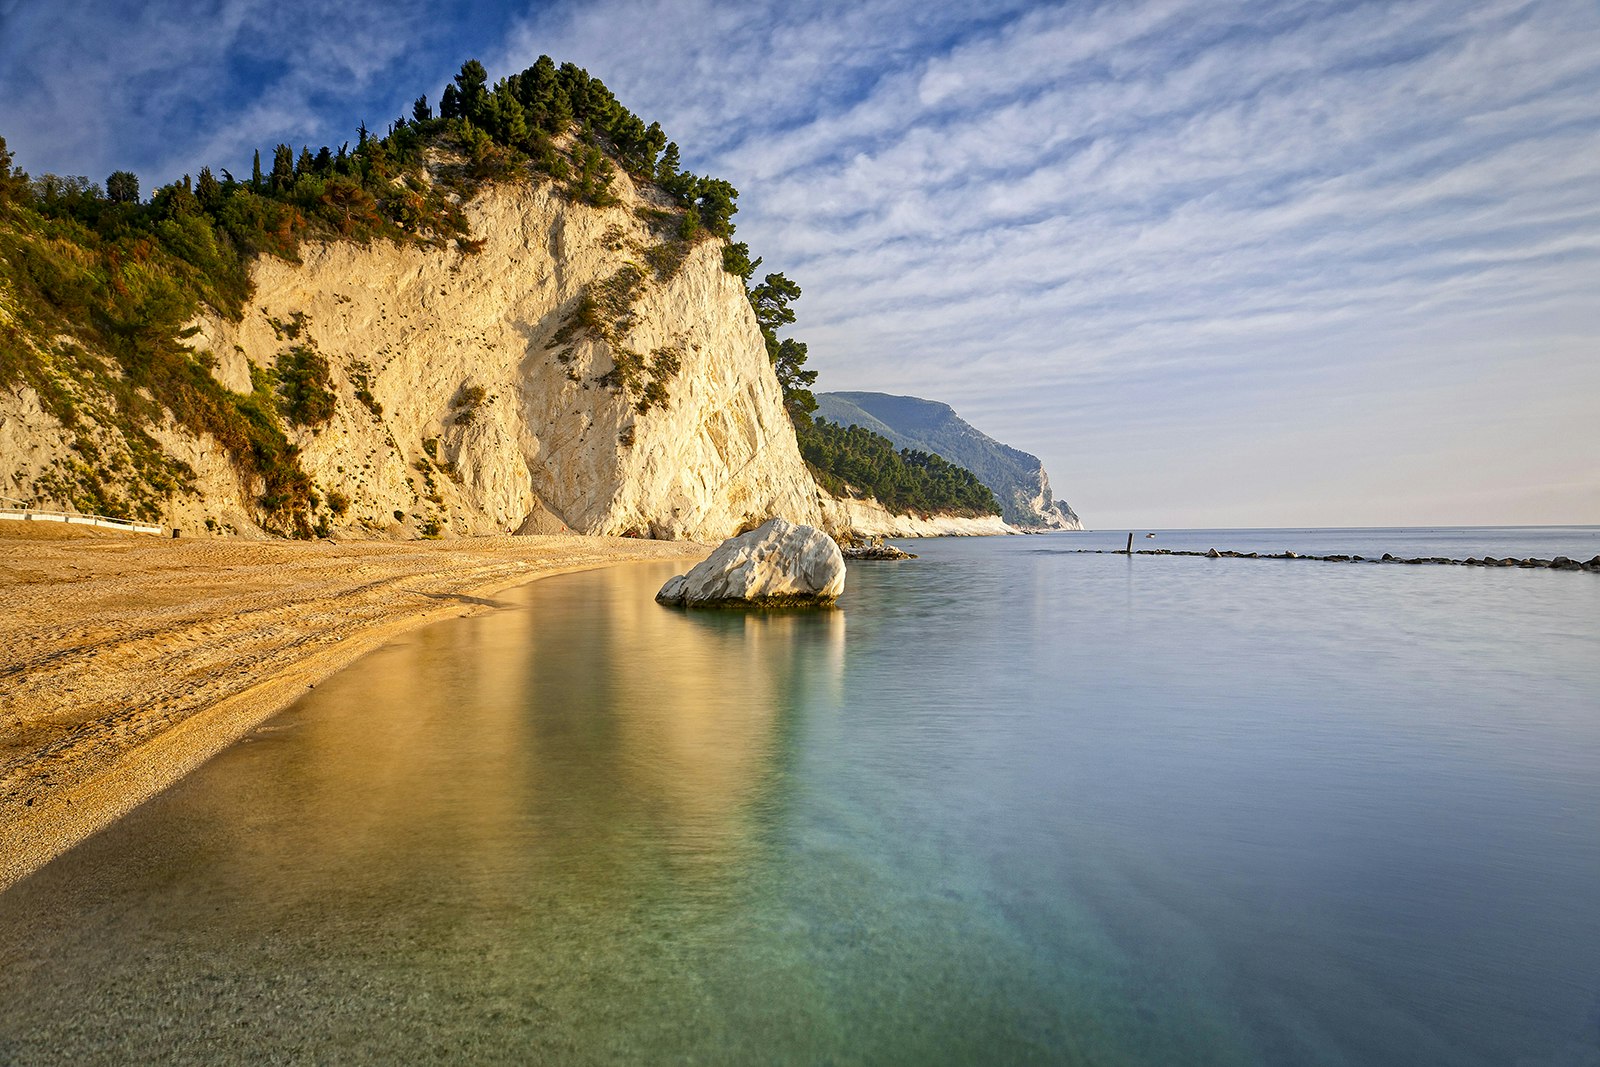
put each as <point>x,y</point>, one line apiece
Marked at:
<point>1130,544</point>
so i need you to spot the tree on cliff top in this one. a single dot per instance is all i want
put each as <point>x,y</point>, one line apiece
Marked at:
<point>122,187</point>
<point>771,299</point>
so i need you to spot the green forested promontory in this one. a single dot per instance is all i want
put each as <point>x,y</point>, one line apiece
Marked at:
<point>852,461</point>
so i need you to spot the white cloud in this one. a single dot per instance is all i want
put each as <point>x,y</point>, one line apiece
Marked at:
<point>165,87</point>
<point>1196,220</point>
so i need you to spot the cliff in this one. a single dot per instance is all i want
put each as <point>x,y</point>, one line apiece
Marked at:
<point>1017,479</point>
<point>573,372</point>
<point>852,518</point>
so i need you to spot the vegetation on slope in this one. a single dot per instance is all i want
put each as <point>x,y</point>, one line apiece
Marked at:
<point>1016,477</point>
<point>854,461</point>
<point>97,285</point>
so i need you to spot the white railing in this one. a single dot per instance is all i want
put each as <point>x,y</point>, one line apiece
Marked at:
<point>77,519</point>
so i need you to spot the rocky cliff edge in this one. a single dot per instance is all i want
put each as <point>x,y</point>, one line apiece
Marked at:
<point>575,372</point>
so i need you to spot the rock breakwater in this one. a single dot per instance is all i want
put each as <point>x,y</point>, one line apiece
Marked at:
<point>1559,563</point>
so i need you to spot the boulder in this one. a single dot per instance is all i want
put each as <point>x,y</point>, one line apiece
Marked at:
<point>775,565</point>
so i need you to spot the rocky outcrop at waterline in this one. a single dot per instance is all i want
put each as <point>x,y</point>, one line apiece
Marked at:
<point>778,564</point>
<point>853,518</point>
<point>877,550</point>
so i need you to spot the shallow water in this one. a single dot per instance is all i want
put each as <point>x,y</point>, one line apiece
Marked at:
<point>1009,803</point>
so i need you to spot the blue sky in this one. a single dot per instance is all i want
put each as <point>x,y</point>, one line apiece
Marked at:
<point>1218,262</point>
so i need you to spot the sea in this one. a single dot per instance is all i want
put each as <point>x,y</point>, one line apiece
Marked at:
<point>1010,802</point>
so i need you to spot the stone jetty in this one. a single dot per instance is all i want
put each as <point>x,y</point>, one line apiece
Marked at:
<point>1560,563</point>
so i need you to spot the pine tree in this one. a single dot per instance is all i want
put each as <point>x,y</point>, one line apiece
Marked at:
<point>207,189</point>
<point>471,86</point>
<point>13,183</point>
<point>736,260</point>
<point>771,302</point>
<point>282,169</point>
<point>717,200</point>
<point>786,363</point>
<point>667,167</point>
<point>255,173</point>
<point>123,187</point>
<point>420,110</point>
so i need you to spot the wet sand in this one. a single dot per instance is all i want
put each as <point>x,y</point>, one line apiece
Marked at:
<point>126,661</point>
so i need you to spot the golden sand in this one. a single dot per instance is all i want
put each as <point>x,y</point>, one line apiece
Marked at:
<point>128,660</point>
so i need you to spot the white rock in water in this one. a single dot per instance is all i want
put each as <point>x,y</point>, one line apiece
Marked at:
<point>778,562</point>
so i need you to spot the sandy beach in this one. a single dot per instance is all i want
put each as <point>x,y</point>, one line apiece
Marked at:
<point>126,661</point>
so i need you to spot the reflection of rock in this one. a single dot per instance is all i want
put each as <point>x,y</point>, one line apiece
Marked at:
<point>778,563</point>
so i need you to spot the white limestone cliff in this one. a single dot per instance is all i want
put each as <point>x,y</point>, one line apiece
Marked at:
<point>850,518</point>
<point>460,406</point>
<point>466,403</point>
<point>1044,511</point>
<point>484,426</point>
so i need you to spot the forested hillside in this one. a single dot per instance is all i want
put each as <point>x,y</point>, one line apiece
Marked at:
<point>1017,478</point>
<point>113,278</point>
<point>851,461</point>
<point>98,285</point>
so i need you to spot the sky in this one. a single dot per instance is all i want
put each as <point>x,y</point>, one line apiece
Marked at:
<point>1218,263</point>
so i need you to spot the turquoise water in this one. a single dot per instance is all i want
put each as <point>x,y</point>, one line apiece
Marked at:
<point>1008,804</point>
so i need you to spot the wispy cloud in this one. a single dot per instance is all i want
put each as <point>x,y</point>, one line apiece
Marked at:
<point>1120,235</point>
<point>1174,206</point>
<point>167,86</point>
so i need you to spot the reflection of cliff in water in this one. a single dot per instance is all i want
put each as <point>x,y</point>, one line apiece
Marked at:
<point>516,824</point>
<point>595,736</point>
<point>674,722</point>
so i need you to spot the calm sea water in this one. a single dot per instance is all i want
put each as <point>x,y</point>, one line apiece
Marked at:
<point>1008,804</point>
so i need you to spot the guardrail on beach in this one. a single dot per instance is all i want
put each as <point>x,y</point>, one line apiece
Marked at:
<point>77,519</point>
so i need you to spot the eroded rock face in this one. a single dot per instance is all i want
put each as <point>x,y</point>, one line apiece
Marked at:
<point>484,408</point>
<point>469,397</point>
<point>847,518</point>
<point>776,564</point>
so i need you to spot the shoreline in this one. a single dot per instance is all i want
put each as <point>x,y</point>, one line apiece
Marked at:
<point>126,662</point>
